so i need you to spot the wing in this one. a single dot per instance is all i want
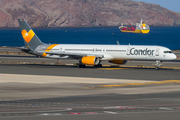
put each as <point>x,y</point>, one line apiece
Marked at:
<point>74,55</point>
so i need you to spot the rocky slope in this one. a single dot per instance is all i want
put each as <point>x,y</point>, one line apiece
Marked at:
<point>83,13</point>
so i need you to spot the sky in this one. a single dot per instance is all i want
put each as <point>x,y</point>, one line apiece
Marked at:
<point>173,5</point>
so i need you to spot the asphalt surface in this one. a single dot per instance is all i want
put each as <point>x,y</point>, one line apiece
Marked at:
<point>100,104</point>
<point>73,71</point>
<point>162,106</point>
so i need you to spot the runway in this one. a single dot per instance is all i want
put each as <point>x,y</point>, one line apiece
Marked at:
<point>49,91</point>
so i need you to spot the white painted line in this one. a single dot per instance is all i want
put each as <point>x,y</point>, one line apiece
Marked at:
<point>118,107</point>
<point>50,114</point>
<point>110,112</point>
<point>45,114</point>
<point>163,108</point>
<point>62,110</point>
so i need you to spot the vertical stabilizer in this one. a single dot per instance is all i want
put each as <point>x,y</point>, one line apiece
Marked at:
<point>31,40</point>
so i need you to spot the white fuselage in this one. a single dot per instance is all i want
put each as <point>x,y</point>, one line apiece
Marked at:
<point>117,52</point>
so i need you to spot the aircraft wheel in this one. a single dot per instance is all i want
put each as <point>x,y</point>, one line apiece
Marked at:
<point>99,65</point>
<point>157,68</point>
<point>81,66</point>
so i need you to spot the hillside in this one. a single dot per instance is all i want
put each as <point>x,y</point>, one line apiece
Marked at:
<point>83,13</point>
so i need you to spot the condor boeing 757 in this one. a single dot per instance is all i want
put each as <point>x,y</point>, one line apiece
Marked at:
<point>92,54</point>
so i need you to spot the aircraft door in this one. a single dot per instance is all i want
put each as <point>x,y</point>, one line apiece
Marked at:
<point>128,51</point>
<point>95,50</point>
<point>61,50</point>
<point>157,52</point>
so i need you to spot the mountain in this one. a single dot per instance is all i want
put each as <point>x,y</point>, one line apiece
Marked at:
<point>84,13</point>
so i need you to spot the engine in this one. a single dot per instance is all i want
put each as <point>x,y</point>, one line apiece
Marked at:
<point>118,61</point>
<point>90,60</point>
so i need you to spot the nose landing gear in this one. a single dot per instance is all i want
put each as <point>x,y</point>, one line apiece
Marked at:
<point>158,64</point>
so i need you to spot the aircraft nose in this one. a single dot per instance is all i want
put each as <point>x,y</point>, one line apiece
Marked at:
<point>174,56</point>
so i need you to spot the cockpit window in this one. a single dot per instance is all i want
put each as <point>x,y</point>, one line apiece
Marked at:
<point>167,51</point>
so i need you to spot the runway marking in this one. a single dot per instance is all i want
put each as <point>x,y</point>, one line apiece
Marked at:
<point>75,113</point>
<point>138,84</point>
<point>163,108</point>
<point>91,113</point>
<point>45,114</point>
<point>49,114</point>
<point>110,112</point>
<point>112,68</point>
<point>119,107</point>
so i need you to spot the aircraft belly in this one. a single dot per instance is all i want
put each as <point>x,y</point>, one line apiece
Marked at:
<point>140,57</point>
<point>55,56</point>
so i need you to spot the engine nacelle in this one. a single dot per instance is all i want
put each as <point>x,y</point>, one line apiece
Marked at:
<point>118,61</point>
<point>90,60</point>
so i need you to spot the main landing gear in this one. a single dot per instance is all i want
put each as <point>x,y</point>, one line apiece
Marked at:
<point>79,65</point>
<point>99,65</point>
<point>158,64</point>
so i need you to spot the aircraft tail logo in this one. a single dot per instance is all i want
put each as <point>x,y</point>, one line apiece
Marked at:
<point>27,35</point>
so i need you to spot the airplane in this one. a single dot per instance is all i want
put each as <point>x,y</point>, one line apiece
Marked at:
<point>92,54</point>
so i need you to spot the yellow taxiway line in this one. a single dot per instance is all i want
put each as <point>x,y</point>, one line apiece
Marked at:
<point>138,84</point>
<point>111,68</point>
